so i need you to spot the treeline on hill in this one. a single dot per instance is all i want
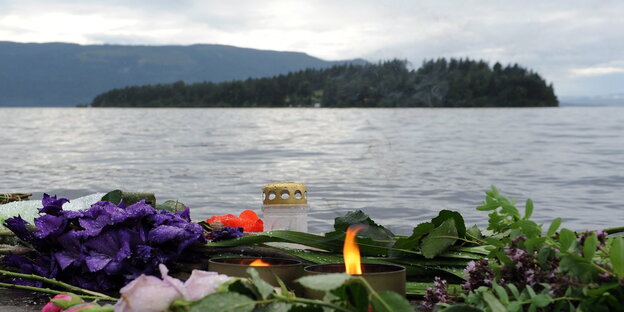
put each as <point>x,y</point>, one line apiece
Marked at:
<point>437,83</point>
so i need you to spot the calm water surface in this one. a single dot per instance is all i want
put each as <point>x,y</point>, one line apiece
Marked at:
<point>400,166</point>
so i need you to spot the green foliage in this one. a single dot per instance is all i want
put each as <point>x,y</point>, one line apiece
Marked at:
<point>224,302</point>
<point>372,230</point>
<point>439,239</point>
<point>437,83</point>
<point>129,198</point>
<point>341,292</point>
<point>324,282</point>
<point>563,271</point>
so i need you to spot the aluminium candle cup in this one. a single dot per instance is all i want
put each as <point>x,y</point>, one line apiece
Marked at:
<point>381,277</point>
<point>287,270</point>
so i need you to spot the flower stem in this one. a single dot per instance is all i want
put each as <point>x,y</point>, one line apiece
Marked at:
<point>55,283</point>
<point>50,291</point>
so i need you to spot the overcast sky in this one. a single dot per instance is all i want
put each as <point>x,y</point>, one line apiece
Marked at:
<point>576,45</point>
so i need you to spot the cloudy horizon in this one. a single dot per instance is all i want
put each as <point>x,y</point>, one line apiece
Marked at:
<point>575,45</point>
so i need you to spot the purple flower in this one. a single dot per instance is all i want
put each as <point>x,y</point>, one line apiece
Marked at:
<point>225,233</point>
<point>52,205</point>
<point>105,246</point>
<point>478,273</point>
<point>438,294</point>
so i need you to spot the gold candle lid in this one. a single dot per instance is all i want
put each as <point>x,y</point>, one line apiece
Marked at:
<point>284,193</point>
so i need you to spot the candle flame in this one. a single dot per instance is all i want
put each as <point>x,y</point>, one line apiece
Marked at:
<point>351,252</point>
<point>258,262</point>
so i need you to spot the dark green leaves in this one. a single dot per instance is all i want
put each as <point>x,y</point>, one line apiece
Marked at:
<point>435,237</point>
<point>413,241</point>
<point>447,214</point>
<point>129,198</point>
<point>440,239</point>
<point>171,205</point>
<point>373,230</point>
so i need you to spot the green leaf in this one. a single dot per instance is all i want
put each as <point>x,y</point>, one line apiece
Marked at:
<point>278,307</point>
<point>389,301</point>
<point>528,209</point>
<point>474,232</point>
<point>448,214</point>
<point>514,290</point>
<point>171,205</point>
<point>501,293</point>
<point>488,206</point>
<point>357,296</point>
<point>535,243</point>
<point>617,256</point>
<point>541,300</point>
<point>514,306</point>
<point>129,198</point>
<point>418,232</point>
<point>264,288</point>
<point>589,246</point>
<point>440,239</point>
<point>553,227</point>
<point>530,228</point>
<point>223,302</point>
<point>494,304</point>
<point>374,230</point>
<point>510,209</point>
<point>566,239</point>
<point>113,197</point>
<point>324,282</point>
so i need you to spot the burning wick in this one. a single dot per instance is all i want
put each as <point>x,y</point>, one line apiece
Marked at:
<point>351,252</point>
<point>258,262</point>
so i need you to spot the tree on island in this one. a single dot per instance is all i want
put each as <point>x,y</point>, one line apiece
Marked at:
<point>437,83</point>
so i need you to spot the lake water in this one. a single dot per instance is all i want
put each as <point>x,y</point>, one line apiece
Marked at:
<point>400,166</point>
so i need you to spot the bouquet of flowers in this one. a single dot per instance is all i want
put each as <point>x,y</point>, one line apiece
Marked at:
<point>104,247</point>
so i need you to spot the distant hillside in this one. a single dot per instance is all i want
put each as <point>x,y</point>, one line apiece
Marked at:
<point>439,83</point>
<point>61,74</point>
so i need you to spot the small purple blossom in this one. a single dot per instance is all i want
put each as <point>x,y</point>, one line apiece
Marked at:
<point>225,233</point>
<point>478,273</point>
<point>105,246</point>
<point>437,294</point>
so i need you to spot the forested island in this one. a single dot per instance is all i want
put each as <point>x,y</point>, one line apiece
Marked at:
<point>437,83</point>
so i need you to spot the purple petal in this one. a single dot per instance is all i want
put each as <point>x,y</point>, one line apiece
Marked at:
<point>50,225</point>
<point>97,261</point>
<point>52,205</point>
<point>17,225</point>
<point>184,214</point>
<point>65,259</point>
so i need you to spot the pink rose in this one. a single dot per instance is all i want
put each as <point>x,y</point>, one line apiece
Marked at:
<point>51,307</point>
<point>60,302</point>
<point>151,294</point>
<point>202,284</point>
<point>146,294</point>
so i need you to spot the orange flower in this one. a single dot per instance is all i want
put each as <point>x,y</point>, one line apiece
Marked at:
<point>248,220</point>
